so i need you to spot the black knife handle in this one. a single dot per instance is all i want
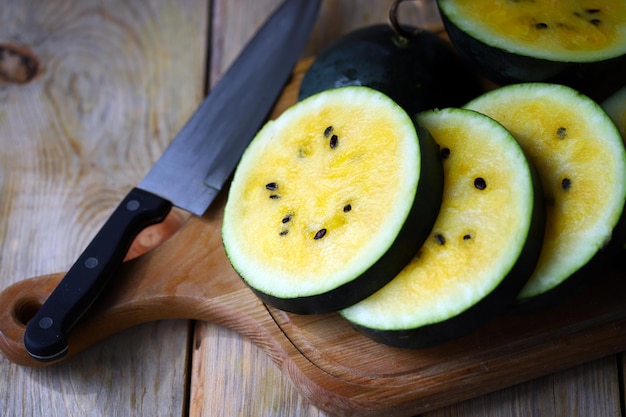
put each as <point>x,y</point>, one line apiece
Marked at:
<point>45,338</point>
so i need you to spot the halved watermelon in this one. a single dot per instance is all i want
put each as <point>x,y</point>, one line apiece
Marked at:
<point>419,72</point>
<point>569,41</point>
<point>483,246</point>
<point>331,200</point>
<point>581,160</point>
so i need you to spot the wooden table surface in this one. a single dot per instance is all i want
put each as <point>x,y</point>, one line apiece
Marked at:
<point>90,94</point>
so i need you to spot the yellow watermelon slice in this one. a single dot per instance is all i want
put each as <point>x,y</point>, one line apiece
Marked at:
<point>331,200</point>
<point>581,161</point>
<point>483,246</point>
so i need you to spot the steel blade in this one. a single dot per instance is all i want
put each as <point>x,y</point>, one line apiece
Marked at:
<point>195,166</point>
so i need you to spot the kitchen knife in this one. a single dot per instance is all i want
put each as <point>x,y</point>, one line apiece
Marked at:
<point>189,174</point>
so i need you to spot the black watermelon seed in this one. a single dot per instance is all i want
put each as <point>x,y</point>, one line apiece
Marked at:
<point>274,196</point>
<point>593,11</point>
<point>595,22</point>
<point>566,184</point>
<point>272,186</point>
<point>320,234</point>
<point>328,131</point>
<point>284,232</point>
<point>347,208</point>
<point>467,237</point>
<point>440,238</point>
<point>287,218</point>
<point>541,25</point>
<point>333,141</point>
<point>480,183</point>
<point>561,132</point>
<point>445,153</point>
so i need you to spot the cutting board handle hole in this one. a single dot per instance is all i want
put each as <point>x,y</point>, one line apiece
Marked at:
<point>25,309</point>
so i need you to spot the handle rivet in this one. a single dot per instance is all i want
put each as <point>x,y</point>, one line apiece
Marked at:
<point>46,323</point>
<point>91,263</point>
<point>132,205</point>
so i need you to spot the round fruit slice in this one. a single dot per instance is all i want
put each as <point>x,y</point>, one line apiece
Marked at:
<point>537,40</point>
<point>483,246</point>
<point>419,72</point>
<point>331,200</point>
<point>581,161</point>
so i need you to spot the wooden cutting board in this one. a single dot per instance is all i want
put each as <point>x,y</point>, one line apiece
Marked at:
<point>333,366</point>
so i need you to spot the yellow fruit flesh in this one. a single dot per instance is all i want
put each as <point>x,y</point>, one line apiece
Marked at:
<point>581,163</point>
<point>477,236</point>
<point>353,195</point>
<point>564,28</point>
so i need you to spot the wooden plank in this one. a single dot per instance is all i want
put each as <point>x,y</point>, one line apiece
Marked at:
<point>235,21</point>
<point>233,377</point>
<point>228,369</point>
<point>230,375</point>
<point>591,389</point>
<point>106,98</point>
<point>136,373</point>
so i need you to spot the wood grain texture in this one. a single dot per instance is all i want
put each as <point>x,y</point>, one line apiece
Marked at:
<point>591,389</point>
<point>233,366</point>
<point>106,99</point>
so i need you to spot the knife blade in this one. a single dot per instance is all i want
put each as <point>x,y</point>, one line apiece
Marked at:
<point>189,174</point>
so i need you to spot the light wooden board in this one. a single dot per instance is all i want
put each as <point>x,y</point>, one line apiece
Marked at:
<point>107,97</point>
<point>591,389</point>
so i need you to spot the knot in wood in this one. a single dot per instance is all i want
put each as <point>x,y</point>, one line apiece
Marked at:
<point>18,64</point>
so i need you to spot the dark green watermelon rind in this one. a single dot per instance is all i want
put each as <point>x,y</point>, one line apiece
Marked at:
<point>608,258</point>
<point>421,74</point>
<point>497,302</point>
<point>498,65</point>
<point>615,106</point>
<point>414,232</point>
<point>597,79</point>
